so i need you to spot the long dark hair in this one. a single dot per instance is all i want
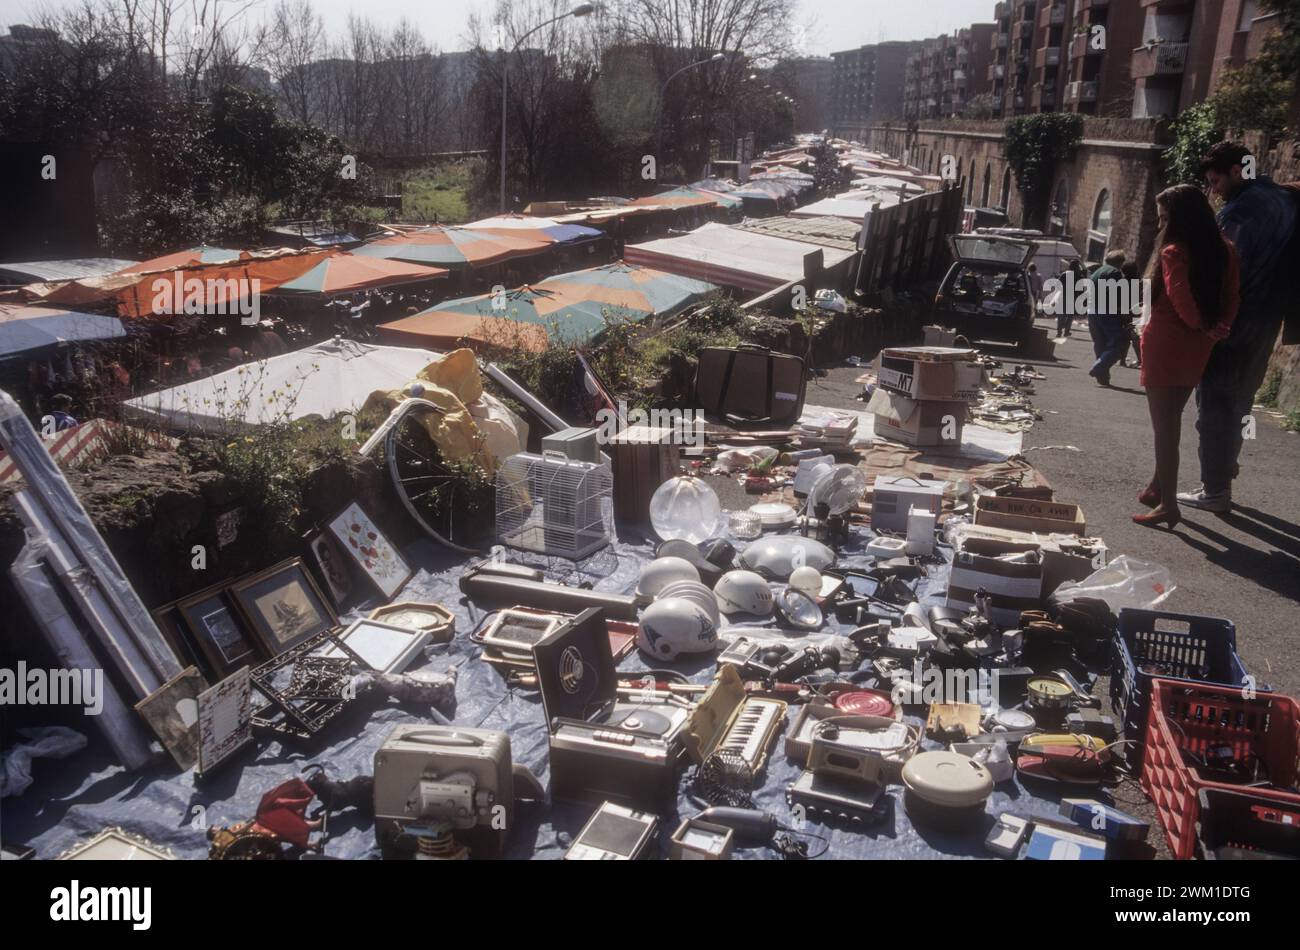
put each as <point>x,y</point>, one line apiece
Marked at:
<point>1191,225</point>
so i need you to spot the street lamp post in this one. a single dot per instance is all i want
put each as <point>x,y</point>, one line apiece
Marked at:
<point>663,91</point>
<point>582,9</point>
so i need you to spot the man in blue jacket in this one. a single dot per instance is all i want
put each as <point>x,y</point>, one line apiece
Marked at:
<point>1259,218</point>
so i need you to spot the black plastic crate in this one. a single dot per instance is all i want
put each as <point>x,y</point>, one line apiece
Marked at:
<point>1253,823</point>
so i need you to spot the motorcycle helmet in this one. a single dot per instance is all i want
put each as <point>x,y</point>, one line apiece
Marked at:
<point>807,579</point>
<point>673,626</point>
<point>743,592</point>
<point>694,591</point>
<point>661,572</point>
<point>777,557</point>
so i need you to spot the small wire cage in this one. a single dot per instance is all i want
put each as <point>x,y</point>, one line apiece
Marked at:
<point>552,505</point>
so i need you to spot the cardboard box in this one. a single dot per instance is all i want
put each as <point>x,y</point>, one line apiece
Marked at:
<point>938,336</point>
<point>916,422</point>
<point>893,496</point>
<point>930,372</point>
<point>1066,557</point>
<point>1026,514</point>
<point>1012,586</point>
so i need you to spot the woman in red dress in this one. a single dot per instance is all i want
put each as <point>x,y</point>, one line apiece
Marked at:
<point>1193,280</point>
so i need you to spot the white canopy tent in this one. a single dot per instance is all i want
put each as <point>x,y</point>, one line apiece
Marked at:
<point>326,379</point>
<point>31,328</point>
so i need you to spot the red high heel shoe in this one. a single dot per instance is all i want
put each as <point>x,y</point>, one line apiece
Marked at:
<point>1156,518</point>
<point>1149,497</point>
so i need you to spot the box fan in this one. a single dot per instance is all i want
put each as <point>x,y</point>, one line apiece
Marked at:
<point>553,505</point>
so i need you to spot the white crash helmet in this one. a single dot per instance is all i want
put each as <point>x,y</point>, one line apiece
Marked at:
<point>673,626</point>
<point>661,572</point>
<point>743,592</point>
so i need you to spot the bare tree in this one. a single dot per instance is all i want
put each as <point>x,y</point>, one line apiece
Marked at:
<point>291,44</point>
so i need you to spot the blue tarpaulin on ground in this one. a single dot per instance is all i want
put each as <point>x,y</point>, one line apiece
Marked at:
<point>75,798</point>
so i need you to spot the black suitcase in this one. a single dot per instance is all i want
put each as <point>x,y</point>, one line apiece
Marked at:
<point>750,385</point>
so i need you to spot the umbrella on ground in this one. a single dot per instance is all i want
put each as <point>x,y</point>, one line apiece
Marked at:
<point>446,246</point>
<point>574,304</point>
<point>31,328</point>
<point>535,229</point>
<point>445,330</point>
<point>203,254</point>
<point>342,273</point>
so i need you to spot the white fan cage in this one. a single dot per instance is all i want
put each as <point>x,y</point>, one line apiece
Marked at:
<point>553,505</point>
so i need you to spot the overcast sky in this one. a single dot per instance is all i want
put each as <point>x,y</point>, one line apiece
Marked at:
<point>823,25</point>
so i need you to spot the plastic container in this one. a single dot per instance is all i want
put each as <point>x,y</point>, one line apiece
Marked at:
<point>1220,722</point>
<point>1247,821</point>
<point>1186,647</point>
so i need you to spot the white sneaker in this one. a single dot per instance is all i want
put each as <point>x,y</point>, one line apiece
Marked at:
<point>1207,501</point>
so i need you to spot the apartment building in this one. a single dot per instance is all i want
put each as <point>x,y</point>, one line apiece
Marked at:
<point>1020,56</point>
<point>1184,47</point>
<point>1099,46</point>
<point>868,85</point>
<point>1051,22</point>
<point>998,49</point>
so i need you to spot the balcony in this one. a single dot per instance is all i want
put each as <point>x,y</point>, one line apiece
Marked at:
<point>996,72</point>
<point>1003,40</point>
<point>1080,91</point>
<point>1000,9</point>
<point>1081,46</point>
<point>1047,56</point>
<point>1093,4</point>
<point>1158,59</point>
<point>1052,16</point>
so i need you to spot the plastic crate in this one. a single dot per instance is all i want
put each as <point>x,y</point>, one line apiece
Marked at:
<point>1196,718</point>
<point>1188,647</point>
<point>1245,820</point>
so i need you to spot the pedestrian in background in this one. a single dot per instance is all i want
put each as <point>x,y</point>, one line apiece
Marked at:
<point>1035,287</point>
<point>1194,278</point>
<point>1065,314</point>
<point>1106,328</point>
<point>1259,218</point>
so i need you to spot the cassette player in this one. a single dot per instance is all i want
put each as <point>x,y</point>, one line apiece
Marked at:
<point>603,748</point>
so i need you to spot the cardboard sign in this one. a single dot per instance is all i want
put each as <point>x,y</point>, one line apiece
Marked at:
<point>1025,514</point>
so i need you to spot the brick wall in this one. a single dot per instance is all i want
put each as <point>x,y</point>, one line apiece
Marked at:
<point>1120,157</point>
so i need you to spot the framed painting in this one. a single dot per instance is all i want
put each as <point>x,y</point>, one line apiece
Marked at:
<point>283,606</point>
<point>219,631</point>
<point>373,553</point>
<point>172,712</point>
<point>331,566</point>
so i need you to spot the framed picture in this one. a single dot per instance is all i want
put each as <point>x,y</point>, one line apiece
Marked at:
<point>114,844</point>
<point>435,618</point>
<point>219,631</point>
<point>283,606</point>
<point>385,647</point>
<point>171,622</point>
<point>329,561</point>
<point>225,719</point>
<point>372,552</point>
<point>172,712</point>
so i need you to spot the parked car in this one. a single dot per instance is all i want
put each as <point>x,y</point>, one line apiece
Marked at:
<point>985,294</point>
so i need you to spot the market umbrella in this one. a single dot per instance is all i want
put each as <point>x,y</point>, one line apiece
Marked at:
<point>31,328</point>
<point>534,228</point>
<point>202,254</point>
<point>342,273</point>
<point>686,197</point>
<point>447,246</point>
<point>446,331</point>
<point>574,304</point>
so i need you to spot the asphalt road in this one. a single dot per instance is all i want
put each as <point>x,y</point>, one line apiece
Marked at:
<point>1243,566</point>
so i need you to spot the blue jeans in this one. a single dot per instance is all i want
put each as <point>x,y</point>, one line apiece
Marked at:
<point>1227,391</point>
<point>1107,343</point>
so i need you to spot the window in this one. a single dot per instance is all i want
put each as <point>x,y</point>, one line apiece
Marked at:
<point>1058,217</point>
<point>1006,189</point>
<point>988,181</point>
<point>1099,233</point>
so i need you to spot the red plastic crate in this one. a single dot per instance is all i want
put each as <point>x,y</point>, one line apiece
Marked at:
<point>1199,717</point>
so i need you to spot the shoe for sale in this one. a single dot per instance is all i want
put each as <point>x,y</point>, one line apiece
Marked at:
<point>1220,501</point>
